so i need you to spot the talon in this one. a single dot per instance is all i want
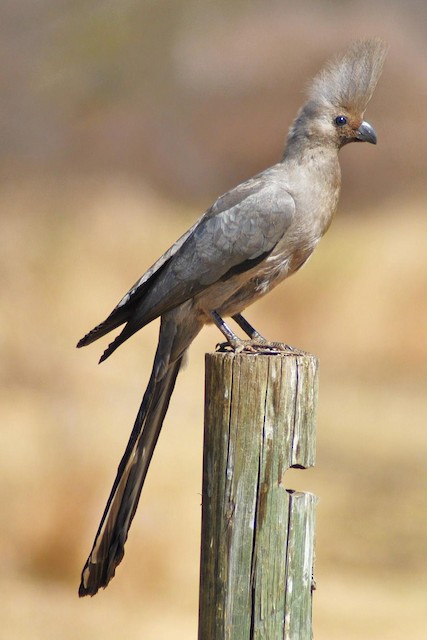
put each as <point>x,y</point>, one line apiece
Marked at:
<point>223,347</point>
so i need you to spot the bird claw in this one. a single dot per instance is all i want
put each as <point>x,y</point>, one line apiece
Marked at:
<point>258,347</point>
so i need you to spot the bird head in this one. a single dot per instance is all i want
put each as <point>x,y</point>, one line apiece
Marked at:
<point>338,96</point>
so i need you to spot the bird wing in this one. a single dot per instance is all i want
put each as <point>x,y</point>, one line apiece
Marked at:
<point>240,229</point>
<point>236,233</point>
<point>123,310</point>
<point>137,290</point>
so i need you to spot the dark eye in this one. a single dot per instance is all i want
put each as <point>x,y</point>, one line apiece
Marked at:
<point>340,121</point>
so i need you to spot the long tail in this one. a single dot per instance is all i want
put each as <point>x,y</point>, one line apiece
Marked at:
<point>108,548</point>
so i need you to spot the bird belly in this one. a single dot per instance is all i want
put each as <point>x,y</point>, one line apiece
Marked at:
<point>239,291</point>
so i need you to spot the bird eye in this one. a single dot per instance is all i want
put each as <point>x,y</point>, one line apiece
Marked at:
<point>340,121</point>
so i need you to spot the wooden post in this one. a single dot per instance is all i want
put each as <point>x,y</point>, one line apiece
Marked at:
<point>257,547</point>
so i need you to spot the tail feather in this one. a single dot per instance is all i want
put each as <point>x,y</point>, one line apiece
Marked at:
<point>108,548</point>
<point>126,333</point>
<point>112,322</point>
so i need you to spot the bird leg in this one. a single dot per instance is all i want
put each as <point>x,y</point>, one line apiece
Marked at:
<point>233,341</point>
<point>258,340</point>
<point>256,344</point>
<point>248,328</point>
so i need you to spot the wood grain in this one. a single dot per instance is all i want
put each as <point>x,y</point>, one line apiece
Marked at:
<point>257,537</point>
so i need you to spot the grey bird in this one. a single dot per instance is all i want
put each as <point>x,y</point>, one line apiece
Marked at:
<point>248,241</point>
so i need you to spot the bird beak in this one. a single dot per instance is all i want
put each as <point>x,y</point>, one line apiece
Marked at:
<point>366,133</point>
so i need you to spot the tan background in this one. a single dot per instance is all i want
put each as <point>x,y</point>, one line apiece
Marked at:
<point>120,124</point>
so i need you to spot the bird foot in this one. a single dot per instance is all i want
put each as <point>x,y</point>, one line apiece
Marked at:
<point>258,347</point>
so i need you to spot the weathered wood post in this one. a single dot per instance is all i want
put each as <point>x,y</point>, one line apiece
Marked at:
<point>257,545</point>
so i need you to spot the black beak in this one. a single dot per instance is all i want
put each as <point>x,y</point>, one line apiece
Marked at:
<point>366,133</point>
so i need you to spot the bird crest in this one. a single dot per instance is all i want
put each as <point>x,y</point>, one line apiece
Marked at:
<point>349,79</point>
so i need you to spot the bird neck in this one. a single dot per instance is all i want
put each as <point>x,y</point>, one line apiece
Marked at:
<point>314,177</point>
<point>302,150</point>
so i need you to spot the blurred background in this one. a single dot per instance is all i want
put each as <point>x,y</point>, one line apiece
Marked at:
<point>121,122</point>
